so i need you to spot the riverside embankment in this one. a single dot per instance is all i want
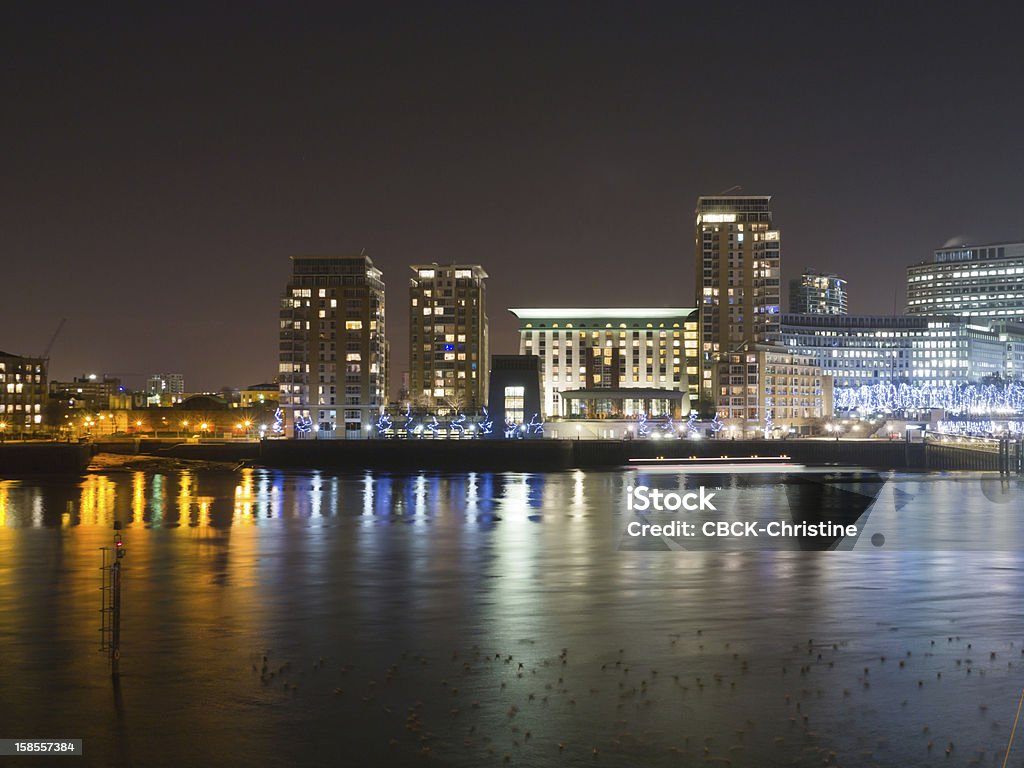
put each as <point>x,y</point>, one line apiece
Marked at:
<point>498,455</point>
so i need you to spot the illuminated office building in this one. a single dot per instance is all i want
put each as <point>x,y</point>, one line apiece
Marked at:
<point>864,350</point>
<point>978,282</point>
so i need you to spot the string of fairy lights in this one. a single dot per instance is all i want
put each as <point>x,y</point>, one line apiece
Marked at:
<point>1002,399</point>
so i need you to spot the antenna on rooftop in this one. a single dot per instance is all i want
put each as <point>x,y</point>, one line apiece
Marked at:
<point>730,190</point>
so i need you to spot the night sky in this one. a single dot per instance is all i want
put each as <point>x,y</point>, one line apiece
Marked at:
<point>159,167</point>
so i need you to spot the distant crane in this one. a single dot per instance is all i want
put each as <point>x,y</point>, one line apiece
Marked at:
<point>53,339</point>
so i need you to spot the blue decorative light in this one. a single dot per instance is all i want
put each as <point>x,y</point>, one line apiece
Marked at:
<point>958,399</point>
<point>457,422</point>
<point>278,421</point>
<point>303,424</point>
<point>642,427</point>
<point>535,425</point>
<point>486,424</point>
<point>717,425</point>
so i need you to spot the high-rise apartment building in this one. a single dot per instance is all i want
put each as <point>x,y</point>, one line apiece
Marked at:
<point>333,375</point>
<point>985,281</point>
<point>738,279</point>
<point>818,293</point>
<point>165,384</point>
<point>448,353</point>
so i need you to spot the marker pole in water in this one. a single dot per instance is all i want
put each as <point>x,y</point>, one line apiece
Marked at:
<point>1014,729</point>
<point>115,595</point>
<point>110,628</point>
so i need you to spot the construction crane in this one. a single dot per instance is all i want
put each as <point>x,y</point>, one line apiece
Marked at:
<point>53,339</point>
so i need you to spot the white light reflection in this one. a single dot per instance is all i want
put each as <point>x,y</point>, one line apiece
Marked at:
<point>315,497</point>
<point>368,494</point>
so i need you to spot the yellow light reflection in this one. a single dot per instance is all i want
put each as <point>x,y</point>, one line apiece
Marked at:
<point>138,497</point>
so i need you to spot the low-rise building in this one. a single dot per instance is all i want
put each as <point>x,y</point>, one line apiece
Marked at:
<point>766,389</point>
<point>865,350</point>
<point>614,349</point>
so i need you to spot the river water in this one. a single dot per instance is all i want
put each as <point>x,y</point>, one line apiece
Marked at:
<point>281,619</point>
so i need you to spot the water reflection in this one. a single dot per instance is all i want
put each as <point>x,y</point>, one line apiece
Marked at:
<point>416,590</point>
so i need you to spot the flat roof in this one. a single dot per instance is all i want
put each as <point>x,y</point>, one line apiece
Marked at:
<point>610,313</point>
<point>476,268</point>
<point>625,393</point>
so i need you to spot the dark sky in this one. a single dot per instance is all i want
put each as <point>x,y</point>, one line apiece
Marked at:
<point>159,166</point>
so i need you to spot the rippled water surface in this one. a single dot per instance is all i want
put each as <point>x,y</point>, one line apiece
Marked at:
<point>477,619</point>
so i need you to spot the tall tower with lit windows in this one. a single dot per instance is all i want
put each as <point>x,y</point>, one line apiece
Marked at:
<point>448,353</point>
<point>737,276</point>
<point>333,355</point>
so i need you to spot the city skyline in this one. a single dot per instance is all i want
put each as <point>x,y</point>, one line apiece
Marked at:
<point>164,166</point>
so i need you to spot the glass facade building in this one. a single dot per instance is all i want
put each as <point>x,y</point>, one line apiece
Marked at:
<point>985,282</point>
<point>863,350</point>
<point>816,293</point>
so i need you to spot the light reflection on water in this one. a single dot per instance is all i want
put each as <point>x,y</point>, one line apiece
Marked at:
<point>416,589</point>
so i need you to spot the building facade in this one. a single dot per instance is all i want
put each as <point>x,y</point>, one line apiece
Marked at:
<point>514,396</point>
<point>737,256</point>
<point>90,392</point>
<point>448,337</point>
<point>23,393</point>
<point>816,293</point>
<point>978,282</point>
<point>332,373</point>
<point>765,389</point>
<point>610,349</point>
<point>165,383</point>
<point>864,350</point>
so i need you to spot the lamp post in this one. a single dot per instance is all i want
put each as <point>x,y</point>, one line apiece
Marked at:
<point>367,431</point>
<point>579,429</point>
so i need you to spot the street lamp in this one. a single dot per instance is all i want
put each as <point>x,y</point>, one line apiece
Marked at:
<point>578,430</point>
<point>367,431</point>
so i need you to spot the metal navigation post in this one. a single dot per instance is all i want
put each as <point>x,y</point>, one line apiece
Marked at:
<point>110,610</point>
